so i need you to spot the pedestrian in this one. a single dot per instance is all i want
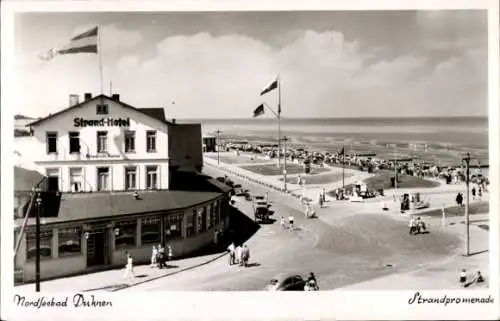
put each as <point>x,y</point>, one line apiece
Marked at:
<point>216,237</point>
<point>320,201</point>
<point>231,250</point>
<point>473,191</point>
<point>463,277</point>
<point>479,192</point>
<point>324,195</point>
<point>290,222</point>
<point>238,255</point>
<point>129,268</point>
<point>245,255</point>
<point>170,254</point>
<point>459,199</point>
<point>161,256</point>
<point>154,255</point>
<point>282,222</point>
<point>412,225</point>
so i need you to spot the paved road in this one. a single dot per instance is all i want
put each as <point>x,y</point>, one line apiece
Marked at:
<point>344,247</point>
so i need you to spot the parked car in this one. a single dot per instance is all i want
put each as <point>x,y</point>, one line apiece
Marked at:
<point>286,282</point>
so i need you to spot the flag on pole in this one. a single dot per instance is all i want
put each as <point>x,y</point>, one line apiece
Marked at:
<point>83,43</point>
<point>271,87</point>
<point>258,111</point>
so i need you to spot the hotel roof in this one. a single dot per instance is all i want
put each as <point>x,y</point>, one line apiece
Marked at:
<point>157,113</point>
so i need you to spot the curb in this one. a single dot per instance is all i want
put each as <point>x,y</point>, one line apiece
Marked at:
<point>168,274</point>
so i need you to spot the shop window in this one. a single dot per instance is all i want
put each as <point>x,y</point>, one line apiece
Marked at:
<point>151,141</point>
<point>74,142</point>
<point>173,226</point>
<point>201,220</point>
<point>51,142</point>
<point>151,229</point>
<point>69,241</point>
<point>213,216</point>
<point>45,245</point>
<point>127,231</point>
<point>190,224</point>
<point>129,141</point>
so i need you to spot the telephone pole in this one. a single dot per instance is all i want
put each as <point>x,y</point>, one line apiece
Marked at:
<point>218,146</point>
<point>37,232</point>
<point>466,159</point>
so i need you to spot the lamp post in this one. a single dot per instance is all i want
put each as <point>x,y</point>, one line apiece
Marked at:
<point>37,232</point>
<point>284,139</point>
<point>466,159</point>
<point>218,147</point>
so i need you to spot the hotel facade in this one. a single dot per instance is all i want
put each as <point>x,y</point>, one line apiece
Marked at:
<point>109,188</point>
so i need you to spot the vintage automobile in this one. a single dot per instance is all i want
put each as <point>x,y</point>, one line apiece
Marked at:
<point>286,282</point>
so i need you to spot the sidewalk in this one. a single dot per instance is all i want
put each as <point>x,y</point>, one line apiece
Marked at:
<point>113,280</point>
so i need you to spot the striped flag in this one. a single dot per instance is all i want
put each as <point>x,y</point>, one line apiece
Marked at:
<point>269,88</point>
<point>83,43</point>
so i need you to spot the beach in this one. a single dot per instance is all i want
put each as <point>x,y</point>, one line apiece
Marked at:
<point>442,141</point>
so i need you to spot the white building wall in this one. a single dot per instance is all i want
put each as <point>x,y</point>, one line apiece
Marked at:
<point>35,148</point>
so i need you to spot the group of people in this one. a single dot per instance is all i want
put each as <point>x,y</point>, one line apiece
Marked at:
<point>160,255</point>
<point>238,254</point>
<point>477,278</point>
<point>417,225</point>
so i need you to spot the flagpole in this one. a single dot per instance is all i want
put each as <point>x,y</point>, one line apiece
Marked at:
<point>279,122</point>
<point>99,52</point>
<point>343,166</point>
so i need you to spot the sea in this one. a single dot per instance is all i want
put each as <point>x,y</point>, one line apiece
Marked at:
<point>436,139</point>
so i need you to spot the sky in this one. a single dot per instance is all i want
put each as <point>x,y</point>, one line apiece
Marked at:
<point>214,65</point>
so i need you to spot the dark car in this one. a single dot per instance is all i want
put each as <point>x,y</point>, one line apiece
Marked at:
<point>286,282</point>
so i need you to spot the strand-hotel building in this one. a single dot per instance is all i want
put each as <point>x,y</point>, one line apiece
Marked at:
<point>114,181</point>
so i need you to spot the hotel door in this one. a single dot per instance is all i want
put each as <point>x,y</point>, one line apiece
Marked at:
<point>97,247</point>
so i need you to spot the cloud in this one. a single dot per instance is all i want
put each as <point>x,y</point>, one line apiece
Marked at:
<point>323,75</point>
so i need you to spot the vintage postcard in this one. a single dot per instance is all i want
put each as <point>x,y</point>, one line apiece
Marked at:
<point>220,160</point>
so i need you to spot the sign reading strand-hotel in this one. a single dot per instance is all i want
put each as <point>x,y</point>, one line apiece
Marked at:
<point>103,122</point>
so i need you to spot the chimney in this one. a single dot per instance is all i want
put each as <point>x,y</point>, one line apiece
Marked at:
<point>74,100</point>
<point>173,120</point>
<point>115,97</point>
<point>87,96</point>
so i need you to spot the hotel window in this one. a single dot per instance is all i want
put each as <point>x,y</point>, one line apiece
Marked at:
<point>127,231</point>
<point>129,141</point>
<point>130,178</point>
<point>173,226</point>
<point>201,220</point>
<point>151,141</point>
<point>45,245</point>
<point>69,241</point>
<point>74,142</point>
<point>151,230</point>
<point>75,179</point>
<point>102,109</point>
<point>151,177</point>
<point>51,142</point>
<point>102,141</point>
<point>102,178</point>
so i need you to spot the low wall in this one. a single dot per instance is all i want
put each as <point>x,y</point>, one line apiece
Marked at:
<point>55,267</point>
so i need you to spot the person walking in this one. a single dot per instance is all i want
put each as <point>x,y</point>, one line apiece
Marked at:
<point>231,249</point>
<point>282,222</point>
<point>129,268</point>
<point>170,253</point>
<point>161,256</point>
<point>154,255</point>
<point>462,278</point>
<point>473,191</point>
<point>290,222</point>
<point>479,192</point>
<point>238,255</point>
<point>245,255</point>
<point>320,201</point>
